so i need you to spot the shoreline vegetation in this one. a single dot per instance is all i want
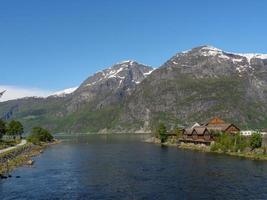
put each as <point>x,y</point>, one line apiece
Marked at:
<point>13,153</point>
<point>227,144</point>
<point>207,149</point>
<point>21,156</point>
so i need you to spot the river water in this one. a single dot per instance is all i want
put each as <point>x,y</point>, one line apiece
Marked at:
<point>123,167</point>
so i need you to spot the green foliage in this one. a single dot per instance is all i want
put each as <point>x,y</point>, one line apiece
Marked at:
<point>162,132</point>
<point>255,140</point>
<point>2,128</point>
<point>178,132</point>
<point>215,133</point>
<point>226,142</point>
<point>15,128</point>
<point>8,143</point>
<point>39,135</point>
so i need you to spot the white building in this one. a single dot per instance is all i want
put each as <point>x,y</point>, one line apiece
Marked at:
<point>249,132</point>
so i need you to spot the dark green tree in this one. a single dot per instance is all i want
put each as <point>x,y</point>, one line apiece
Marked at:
<point>39,135</point>
<point>2,128</point>
<point>15,128</point>
<point>162,132</point>
<point>255,140</point>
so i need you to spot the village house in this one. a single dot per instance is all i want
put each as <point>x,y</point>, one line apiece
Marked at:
<point>203,134</point>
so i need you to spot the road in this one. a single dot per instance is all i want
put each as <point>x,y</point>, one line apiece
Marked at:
<point>10,148</point>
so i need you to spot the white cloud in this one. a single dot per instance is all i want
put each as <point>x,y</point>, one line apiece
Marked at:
<point>14,92</point>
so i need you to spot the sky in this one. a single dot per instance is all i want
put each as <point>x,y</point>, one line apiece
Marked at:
<point>50,45</point>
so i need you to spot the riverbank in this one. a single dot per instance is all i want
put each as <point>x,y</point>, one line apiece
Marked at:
<point>8,143</point>
<point>8,148</point>
<point>257,154</point>
<point>20,156</point>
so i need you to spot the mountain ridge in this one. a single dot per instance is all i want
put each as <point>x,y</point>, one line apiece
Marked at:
<point>193,85</point>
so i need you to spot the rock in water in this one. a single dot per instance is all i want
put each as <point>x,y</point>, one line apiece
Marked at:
<point>30,162</point>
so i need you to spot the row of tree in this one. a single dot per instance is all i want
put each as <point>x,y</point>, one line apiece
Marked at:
<point>12,129</point>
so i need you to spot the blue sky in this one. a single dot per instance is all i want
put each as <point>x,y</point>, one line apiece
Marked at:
<point>56,44</point>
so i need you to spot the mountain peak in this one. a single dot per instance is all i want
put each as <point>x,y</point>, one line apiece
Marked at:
<point>218,60</point>
<point>130,62</point>
<point>209,50</point>
<point>119,73</point>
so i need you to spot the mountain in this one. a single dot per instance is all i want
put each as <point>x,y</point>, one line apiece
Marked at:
<point>201,83</point>
<point>93,106</point>
<point>191,86</point>
<point>109,86</point>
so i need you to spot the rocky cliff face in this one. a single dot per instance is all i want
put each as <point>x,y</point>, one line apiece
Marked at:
<point>199,84</point>
<point>109,86</point>
<point>191,86</point>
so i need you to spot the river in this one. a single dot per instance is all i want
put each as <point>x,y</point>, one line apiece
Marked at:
<point>123,167</point>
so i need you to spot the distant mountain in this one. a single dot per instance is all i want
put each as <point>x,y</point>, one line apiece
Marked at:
<point>109,86</point>
<point>191,86</point>
<point>201,83</point>
<point>96,104</point>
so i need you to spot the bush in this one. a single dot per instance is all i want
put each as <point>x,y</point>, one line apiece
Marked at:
<point>2,128</point>
<point>162,132</point>
<point>14,129</point>
<point>255,140</point>
<point>226,142</point>
<point>39,135</point>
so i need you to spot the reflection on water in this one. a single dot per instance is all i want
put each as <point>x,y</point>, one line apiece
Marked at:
<point>122,167</point>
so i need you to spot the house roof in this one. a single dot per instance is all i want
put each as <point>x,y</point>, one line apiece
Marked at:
<point>195,125</point>
<point>200,130</point>
<point>188,131</point>
<point>215,120</point>
<point>220,127</point>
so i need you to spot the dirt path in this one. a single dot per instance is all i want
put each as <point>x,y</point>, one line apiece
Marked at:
<point>10,148</point>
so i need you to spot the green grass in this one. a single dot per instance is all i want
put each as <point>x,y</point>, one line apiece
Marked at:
<point>8,143</point>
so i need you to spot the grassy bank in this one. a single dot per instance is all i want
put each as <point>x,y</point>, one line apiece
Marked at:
<point>256,154</point>
<point>8,143</point>
<point>20,156</point>
<point>203,148</point>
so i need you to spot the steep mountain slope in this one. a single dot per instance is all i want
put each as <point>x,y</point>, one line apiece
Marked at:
<point>191,86</point>
<point>109,86</point>
<point>199,84</point>
<point>93,106</point>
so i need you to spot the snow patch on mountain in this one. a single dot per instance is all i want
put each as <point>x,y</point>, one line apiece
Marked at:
<point>213,51</point>
<point>147,73</point>
<point>249,56</point>
<point>118,71</point>
<point>243,60</point>
<point>63,93</point>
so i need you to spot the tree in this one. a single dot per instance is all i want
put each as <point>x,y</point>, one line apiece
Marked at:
<point>2,128</point>
<point>161,132</point>
<point>255,140</point>
<point>39,135</point>
<point>178,132</point>
<point>15,128</point>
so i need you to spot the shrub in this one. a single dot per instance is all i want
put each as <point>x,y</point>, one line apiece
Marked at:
<point>226,142</point>
<point>2,128</point>
<point>161,132</point>
<point>255,140</point>
<point>15,128</point>
<point>39,135</point>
